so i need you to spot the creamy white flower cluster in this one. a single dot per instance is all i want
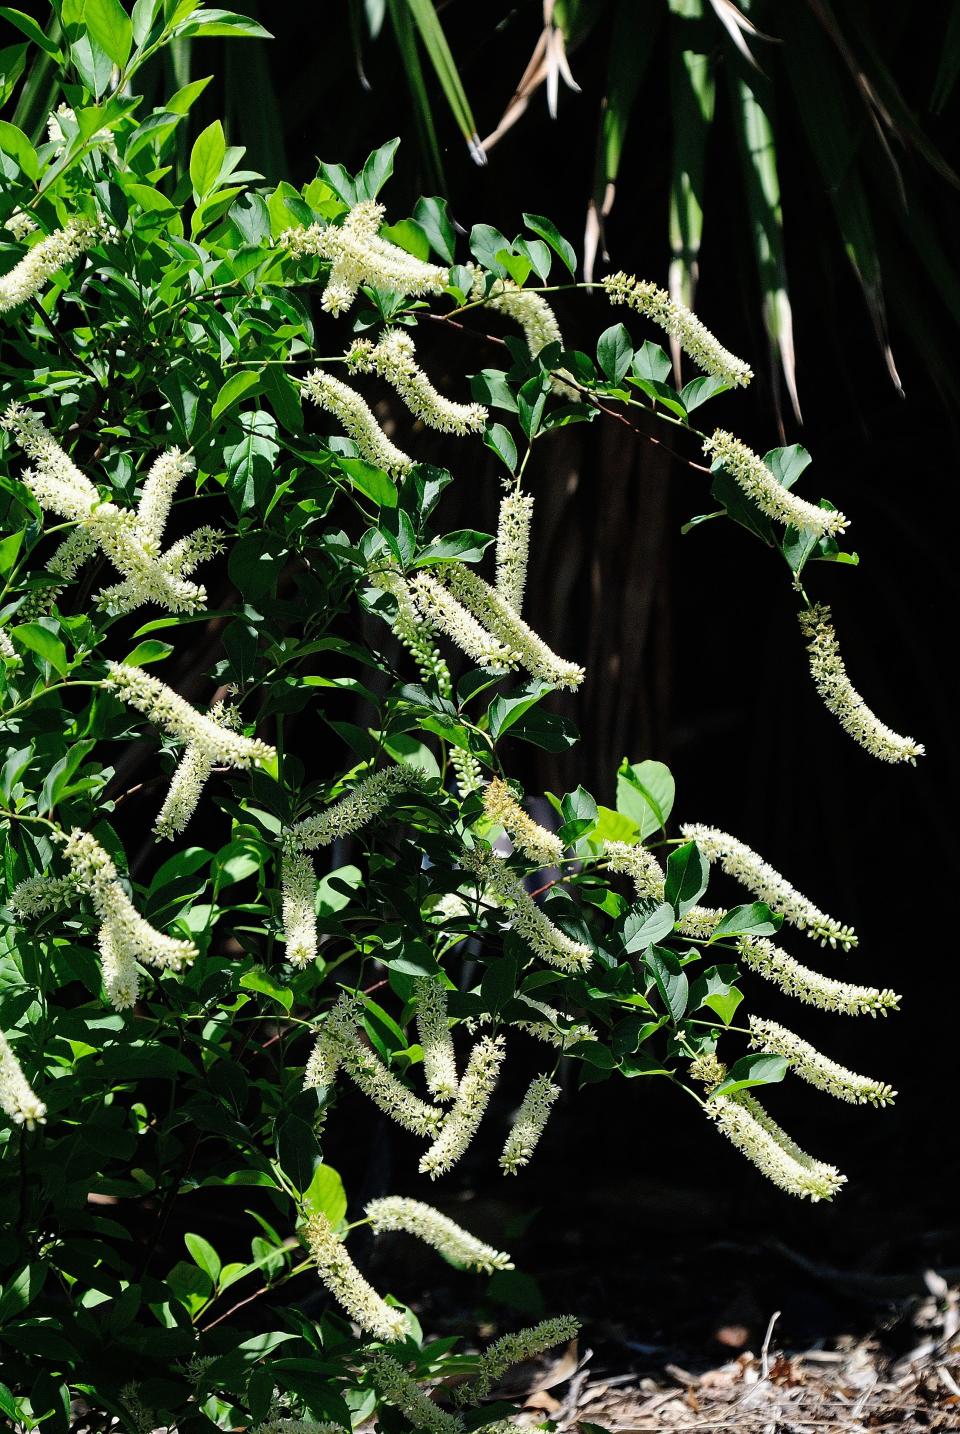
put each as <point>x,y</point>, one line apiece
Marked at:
<point>411,627</point>
<point>347,1285</point>
<point>817,1069</point>
<point>841,697</point>
<point>512,1349</point>
<point>298,889</point>
<point>534,315</point>
<point>20,224</point>
<point>749,471</point>
<point>635,861</point>
<point>353,411</point>
<point>38,895</point>
<point>473,1096</point>
<point>395,1386</point>
<point>676,320</point>
<point>760,878</point>
<point>513,546</point>
<point>394,358</point>
<point>371,796</point>
<point>525,916</point>
<point>444,612</point>
<point>760,955</point>
<point>104,137</point>
<point>41,262</point>
<point>130,539</point>
<point>17,1099</point>
<point>413,1217</point>
<point>8,653</point>
<point>489,607</point>
<point>124,937</point>
<point>746,1124</point>
<point>188,781</point>
<point>550,1029</point>
<point>358,255</point>
<point>529,1124</point>
<point>436,1042</point>
<point>534,841</point>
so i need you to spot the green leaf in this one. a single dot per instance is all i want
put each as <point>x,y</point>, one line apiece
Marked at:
<point>209,24</point>
<point>39,639</point>
<point>251,462</point>
<point>377,170</point>
<point>669,979</point>
<point>499,984</point>
<point>688,872</point>
<point>237,386</point>
<point>615,352</point>
<point>206,160</point>
<point>651,363</point>
<point>14,142</point>
<point>699,390</point>
<point>110,26</point>
<point>645,793</point>
<point>146,652</point>
<point>754,919</point>
<point>647,924</point>
<point>367,478</point>
<point>29,27</point>
<point>466,546</point>
<point>263,982</point>
<point>506,709</point>
<point>547,230</point>
<point>325,1195</point>
<point>501,440</point>
<point>204,1255</point>
<point>298,1152</point>
<point>786,464</point>
<point>758,1069</point>
<point>718,994</point>
<point>434,219</point>
<point>435,44</point>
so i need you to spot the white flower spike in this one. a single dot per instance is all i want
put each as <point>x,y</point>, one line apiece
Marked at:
<point>752,475</point>
<point>396,1212</point>
<point>394,359</point>
<point>817,1069</point>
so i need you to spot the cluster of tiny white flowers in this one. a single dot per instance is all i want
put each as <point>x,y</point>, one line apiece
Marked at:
<point>810,987</point>
<point>676,320</point>
<point>41,262</point>
<point>283,1425</point>
<point>433,1029</point>
<point>393,358</point>
<point>178,718</point>
<point>396,1387</point>
<point>534,315</point>
<point>125,937</point>
<point>699,923</point>
<point>327,1055</point>
<point>442,610</point>
<point>104,137</point>
<point>371,796</point>
<point>17,1099</point>
<point>358,255</point>
<point>412,628</point>
<point>528,1125</point>
<point>492,609</point>
<point>8,653</point>
<point>347,1285</point>
<point>396,1212</point>
<point>760,878</point>
<point>298,886</point>
<point>467,770</point>
<point>149,575</point>
<point>190,778</point>
<point>513,546</point>
<point>757,1136</point>
<point>513,1349</point>
<point>353,411</point>
<point>551,1031</point>
<point>841,697</point>
<point>501,807</point>
<point>533,925</point>
<point>465,1115</point>
<point>781,504</point>
<point>388,1094</point>
<point>817,1069</point>
<point>37,895</point>
<point>20,224</point>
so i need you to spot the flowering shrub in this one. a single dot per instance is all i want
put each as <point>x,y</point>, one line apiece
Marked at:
<point>183,344</point>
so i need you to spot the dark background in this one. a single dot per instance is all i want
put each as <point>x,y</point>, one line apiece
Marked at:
<point>694,657</point>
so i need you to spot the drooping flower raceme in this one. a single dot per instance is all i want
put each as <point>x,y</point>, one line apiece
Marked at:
<point>17,1099</point>
<point>554,1029</point>
<point>528,1125</point>
<point>338,398</point>
<point>841,697</point>
<point>38,895</point>
<point>386,1090</point>
<point>347,1285</point>
<point>513,1349</point>
<point>676,320</point>
<point>473,1097</point>
<point>19,225</point>
<point>501,807</point>
<point>394,359</point>
<point>761,955</point>
<point>411,627</point>
<point>156,498</point>
<point>817,1069</point>
<point>513,546</point>
<point>298,886</point>
<point>433,1029</point>
<point>500,618</point>
<point>760,878</point>
<point>190,778</point>
<point>41,262</point>
<point>781,504</point>
<point>178,718</point>
<point>395,1386</point>
<point>396,1212</point>
<point>371,796</point>
<point>525,916</point>
<point>332,1039</point>
<point>757,1136</point>
<point>445,612</point>
<point>358,255</point>
<point>535,317</point>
